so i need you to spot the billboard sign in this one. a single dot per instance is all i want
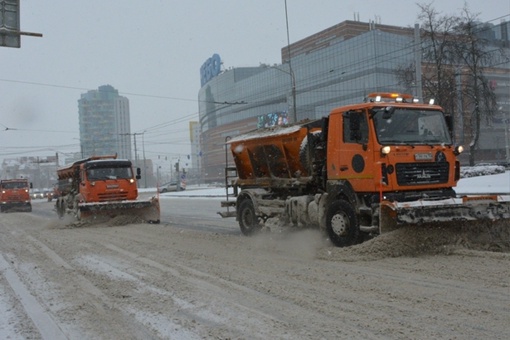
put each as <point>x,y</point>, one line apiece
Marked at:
<point>9,23</point>
<point>272,119</point>
<point>210,69</point>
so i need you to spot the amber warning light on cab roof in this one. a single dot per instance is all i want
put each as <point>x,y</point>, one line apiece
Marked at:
<point>390,97</point>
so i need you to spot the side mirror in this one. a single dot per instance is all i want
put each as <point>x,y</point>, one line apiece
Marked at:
<point>449,122</point>
<point>138,173</point>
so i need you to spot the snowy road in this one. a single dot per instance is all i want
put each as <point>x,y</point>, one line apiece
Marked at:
<point>194,277</point>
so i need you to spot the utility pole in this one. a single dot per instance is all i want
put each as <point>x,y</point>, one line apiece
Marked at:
<point>293,90</point>
<point>507,150</point>
<point>417,62</point>
<point>136,153</point>
<point>292,78</point>
<point>144,163</point>
<point>136,150</point>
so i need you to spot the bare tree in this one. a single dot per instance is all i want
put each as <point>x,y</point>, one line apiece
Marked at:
<point>455,58</point>
<point>472,51</point>
<point>405,75</point>
<point>438,76</point>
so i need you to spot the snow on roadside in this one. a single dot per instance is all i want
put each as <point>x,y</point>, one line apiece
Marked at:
<point>481,170</point>
<point>476,179</point>
<point>496,184</point>
<point>197,191</point>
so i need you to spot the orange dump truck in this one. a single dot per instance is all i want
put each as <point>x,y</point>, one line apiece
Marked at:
<point>15,195</point>
<point>103,186</point>
<point>365,169</point>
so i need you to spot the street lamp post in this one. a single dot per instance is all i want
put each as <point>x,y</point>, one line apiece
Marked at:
<point>507,149</point>
<point>136,151</point>
<point>144,159</point>
<point>293,90</point>
<point>292,77</point>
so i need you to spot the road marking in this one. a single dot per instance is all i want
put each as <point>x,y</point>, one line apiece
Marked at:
<point>42,320</point>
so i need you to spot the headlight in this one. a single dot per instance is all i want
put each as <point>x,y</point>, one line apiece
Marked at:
<point>385,150</point>
<point>458,150</point>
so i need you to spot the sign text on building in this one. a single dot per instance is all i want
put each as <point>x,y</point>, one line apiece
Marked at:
<point>210,69</point>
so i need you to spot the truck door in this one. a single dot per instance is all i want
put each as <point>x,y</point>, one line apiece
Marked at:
<point>354,151</point>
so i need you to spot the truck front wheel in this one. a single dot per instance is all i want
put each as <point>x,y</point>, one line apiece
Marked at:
<point>248,220</point>
<point>342,224</point>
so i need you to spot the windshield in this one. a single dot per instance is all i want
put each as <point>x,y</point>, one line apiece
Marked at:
<point>109,173</point>
<point>14,185</point>
<point>408,126</point>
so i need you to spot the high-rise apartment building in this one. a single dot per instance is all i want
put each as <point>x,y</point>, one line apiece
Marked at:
<point>104,123</point>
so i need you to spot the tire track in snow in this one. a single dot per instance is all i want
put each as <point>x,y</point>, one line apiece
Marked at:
<point>48,328</point>
<point>101,302</point>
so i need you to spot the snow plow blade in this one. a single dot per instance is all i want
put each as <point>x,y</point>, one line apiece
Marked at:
<point>147,211</point>
<point>467,208</point>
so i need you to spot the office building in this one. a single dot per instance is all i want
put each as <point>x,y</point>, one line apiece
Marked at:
<point>104,123</point>
<point>335,67</point>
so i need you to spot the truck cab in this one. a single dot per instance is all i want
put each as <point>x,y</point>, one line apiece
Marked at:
<point>15,195</point>
<point>106,180</point>
<point>392,147</point>
<point>340,173</point>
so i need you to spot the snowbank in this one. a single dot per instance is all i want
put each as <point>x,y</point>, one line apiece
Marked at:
<point>476,179</point>
<point>481,170</point>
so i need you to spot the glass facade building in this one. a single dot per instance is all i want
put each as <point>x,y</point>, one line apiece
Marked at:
<point>335,67</point>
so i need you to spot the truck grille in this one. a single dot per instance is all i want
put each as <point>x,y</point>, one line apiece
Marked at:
<point>422,173</point>
<point>112,196</point>
<point>14,198</point>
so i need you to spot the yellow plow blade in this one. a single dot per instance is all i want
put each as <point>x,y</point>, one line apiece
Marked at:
<point>467,208</point>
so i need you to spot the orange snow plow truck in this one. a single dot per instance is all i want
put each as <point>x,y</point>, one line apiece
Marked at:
<point>15,195</point>
<point>103,186</point>
<point>364,170</point>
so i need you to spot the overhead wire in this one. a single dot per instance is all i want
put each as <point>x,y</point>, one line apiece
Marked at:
<point>154,132</point>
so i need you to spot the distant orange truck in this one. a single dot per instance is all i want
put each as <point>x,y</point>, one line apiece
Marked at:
<point>15,195</point>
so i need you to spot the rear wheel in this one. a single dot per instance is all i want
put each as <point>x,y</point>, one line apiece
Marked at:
<point>342,224</point>
<point>248,220</point>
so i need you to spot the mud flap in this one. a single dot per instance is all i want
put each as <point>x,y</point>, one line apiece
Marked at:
<point>468,208</point>
<point>147,211</point>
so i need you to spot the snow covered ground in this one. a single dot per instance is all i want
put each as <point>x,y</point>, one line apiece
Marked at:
<point>10,310</point>
<point>497,183</point>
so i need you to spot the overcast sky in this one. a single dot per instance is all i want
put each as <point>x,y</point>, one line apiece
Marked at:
<point>151,52</point>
